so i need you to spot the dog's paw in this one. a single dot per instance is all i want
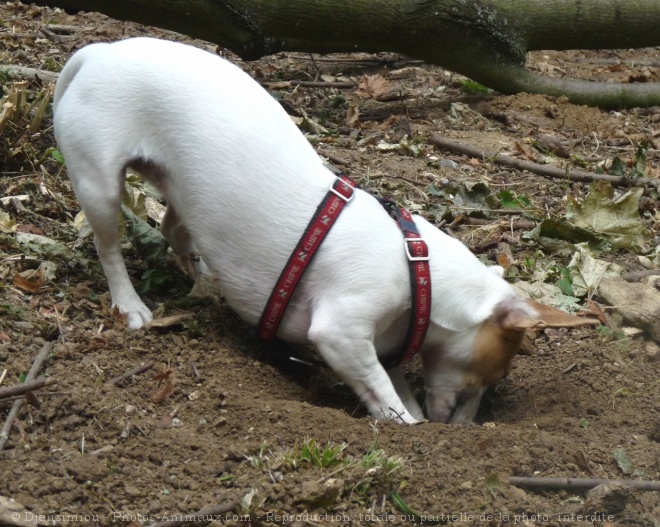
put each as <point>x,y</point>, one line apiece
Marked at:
<point>134,314</point>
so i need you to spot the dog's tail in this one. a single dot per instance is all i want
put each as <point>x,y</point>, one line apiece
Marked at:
<point>70,70</point>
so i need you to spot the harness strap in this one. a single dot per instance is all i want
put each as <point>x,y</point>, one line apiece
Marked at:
<point>417,253</point>
<point>340,193</point>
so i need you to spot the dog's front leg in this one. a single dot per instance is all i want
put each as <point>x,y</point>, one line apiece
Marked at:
<point>353,357</point>
<point>405,394</point>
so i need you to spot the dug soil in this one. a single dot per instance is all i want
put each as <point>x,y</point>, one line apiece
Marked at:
<point>220,419</point>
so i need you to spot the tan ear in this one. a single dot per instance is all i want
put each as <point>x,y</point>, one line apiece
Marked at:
<point>546,317</point>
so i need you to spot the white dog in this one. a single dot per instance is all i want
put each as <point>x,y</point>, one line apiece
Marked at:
<point>241,183</point>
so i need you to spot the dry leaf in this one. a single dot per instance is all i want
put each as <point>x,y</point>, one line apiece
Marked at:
<point>28,227</point>
<point>164,374</point>
<point>372,86</point>
<point>166,322</point>
<point>353,116</point>
<point>165,388</point>
<point>163,392</point>
<point>503,260</point>
<point>31,286</point>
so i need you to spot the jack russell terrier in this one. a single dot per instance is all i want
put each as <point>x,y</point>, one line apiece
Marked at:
<point>241,183</point>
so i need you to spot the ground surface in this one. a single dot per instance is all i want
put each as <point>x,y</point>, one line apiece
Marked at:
<point>574,402</point>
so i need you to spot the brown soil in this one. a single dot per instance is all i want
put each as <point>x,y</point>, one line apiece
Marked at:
<point>111,454</point>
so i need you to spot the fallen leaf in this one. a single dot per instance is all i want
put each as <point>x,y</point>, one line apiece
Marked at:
<point>163,392</point>
<point>623,461</point>
<point>44,246</point>
<point>587,271</point>
<point>548,294</point>
<point>615,219</point>
<point>372,86</point>
<point>166,387</point>
<point>26,284</point>
<point>352,116</point>
<point>166,322</point>
<point>148,241</point>
<point>29,228</point>
<point>7,225</point>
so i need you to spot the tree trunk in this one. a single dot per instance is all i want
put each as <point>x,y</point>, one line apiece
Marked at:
<point>486,40</point>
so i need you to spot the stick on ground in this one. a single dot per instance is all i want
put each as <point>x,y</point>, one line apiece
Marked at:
<point>544,170</point>
<point>579,484</point>
<point>27,386</point>
<point>31,376</point>
<point>135,371</point>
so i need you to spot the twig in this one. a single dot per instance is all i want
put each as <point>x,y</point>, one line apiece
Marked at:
<point>636,276</point>
<point>62,29</point>
<point>544,170</point>
<point>323,84</point>
<point>51,35</point>
<point>135,371</point>
<point>26,386</point>
<point>517,225</point>
<point>402,178</point>
<point>195,371</point>
<point>30,74</point>
<point>58,318</point>
<point>535,483</point>
<point>335,159</point>
<point>16,407</point>
<point>206,515</point>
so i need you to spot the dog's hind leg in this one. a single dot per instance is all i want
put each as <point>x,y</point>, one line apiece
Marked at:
<point>98,189</point>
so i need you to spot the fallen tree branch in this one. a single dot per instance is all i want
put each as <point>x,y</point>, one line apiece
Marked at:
<point>486,41</point>
<point>636,276</point>
<point>30,74</point>
<point>24,387</point>
<point>206,515</point>
<point>31,376</point>
<point>543,170</point>
<point>535,483</point>
<point>135,371</point>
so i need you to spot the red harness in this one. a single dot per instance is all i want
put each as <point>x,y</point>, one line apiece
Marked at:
<point>340,193</point>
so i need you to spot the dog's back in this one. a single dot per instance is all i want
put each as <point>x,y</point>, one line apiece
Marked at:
<point>222,151</point>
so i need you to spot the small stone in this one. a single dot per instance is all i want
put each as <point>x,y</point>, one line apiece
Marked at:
<point>608,498</point>
<point>86,468</point>
<point>322,494</point>
<point>132,491</point>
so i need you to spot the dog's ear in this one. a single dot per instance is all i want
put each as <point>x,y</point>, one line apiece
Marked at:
<point>542,316</point>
